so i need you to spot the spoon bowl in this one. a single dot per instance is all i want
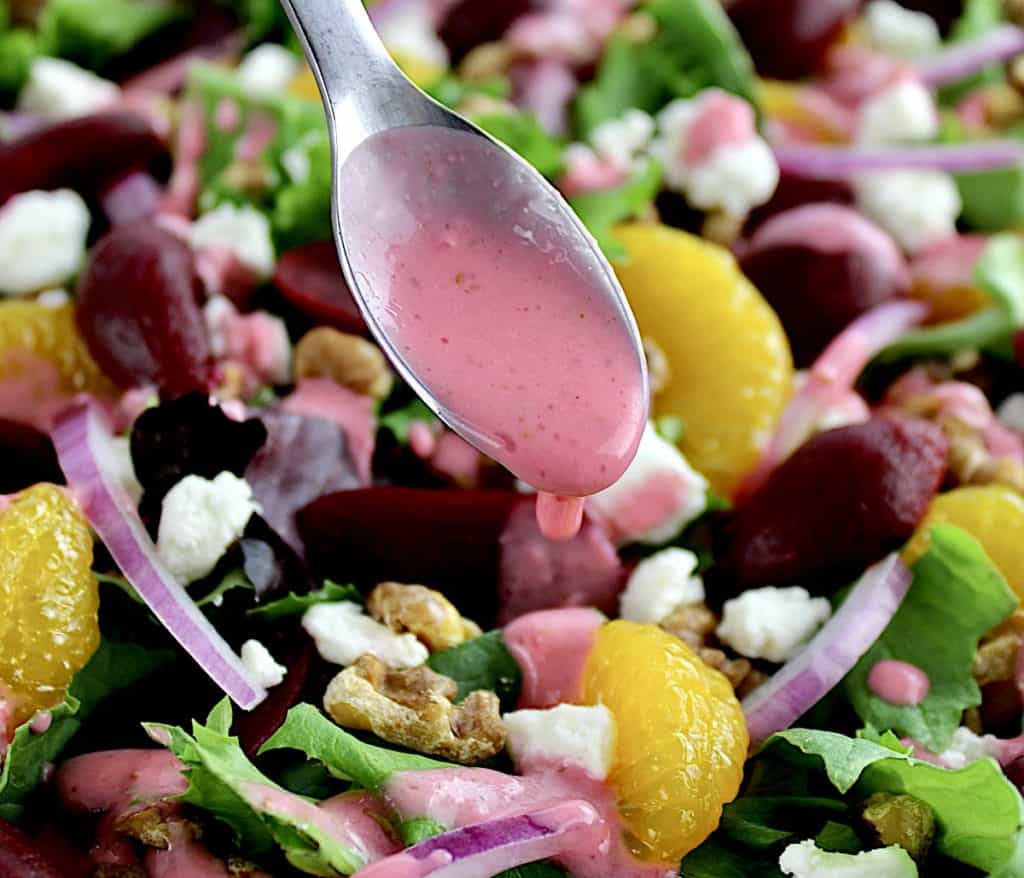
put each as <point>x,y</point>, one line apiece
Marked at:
<point>482,286</point>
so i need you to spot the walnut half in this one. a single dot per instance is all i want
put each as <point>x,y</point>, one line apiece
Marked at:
<point>421,611</point>
<point>416,709</point>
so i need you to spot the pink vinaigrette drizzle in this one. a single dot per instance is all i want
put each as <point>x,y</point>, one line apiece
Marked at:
<point>475,271</point>
<point>899,683</point>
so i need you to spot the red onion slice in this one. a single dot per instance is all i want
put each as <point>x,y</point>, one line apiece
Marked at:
<point>960,61</point>
<point>824,162</point>
<point>133,197</point>
<point>802,682</point>
<point>83,448</point>
<point>493,847</point>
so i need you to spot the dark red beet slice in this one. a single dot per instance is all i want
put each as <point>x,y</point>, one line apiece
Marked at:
<point>27,456</point>
<point>139,314</point>
<point>1018,346</point>
<point>310,278</point>
<point>448,540</point>
<point>789,38</point>
<point>796,192</point>
<point>80,153</point>
<point>469,23</point>
<point>841,502</point>
<point>254,728</point>
<point>21,857</point>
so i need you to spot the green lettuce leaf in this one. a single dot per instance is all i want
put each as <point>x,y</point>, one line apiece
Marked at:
<point>297,604</point>
<point>602,211</point>
<point>114,665</point>
<point>978,18</point>
<point>92,32</point>
<point>18,49</point>
<point>262,815</point>
<point>956,597</point>
<point>1000,274</point>
<point>521,132</point>
<point>261,18</point>
<point>481,663</point>
<point>399,420</point>
<point>695,47</point>
<point>306,729</point>
<point>978,812</point>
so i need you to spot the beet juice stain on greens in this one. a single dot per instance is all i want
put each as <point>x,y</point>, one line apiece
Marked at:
<point>500,308</point>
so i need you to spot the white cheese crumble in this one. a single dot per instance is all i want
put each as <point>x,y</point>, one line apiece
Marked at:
<point>267,69</point>
<point>624,139</point>
<point>343,633</point>
<point>410,31</point>
<point>42,240</point>
<point>59,89</point>
<point>199,521</point>
<point>55,298</point>
<point>659,584</point>
<point>243,230</point>
<point>902,113</point>
<point>917,208</point>
<point>901,32</point>
<point>261,664</point>
<point>1011,412</point>
<point>967,747</point>
<point>772,623</point>
<point>807,860</point>
<point>656,497</point>
<point>566,734</point>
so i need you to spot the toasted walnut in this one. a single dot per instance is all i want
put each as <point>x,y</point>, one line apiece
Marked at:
<point>639,27</point>
<point>348,359</point>
<point>996,659</point>
<point>1004,104</point>
<point>486,61</point>
<point>754,679</point>
<point>148,826</point>
<point>478,104</point>
<point>967,452</point>
<point>735,670</point>
<point>693,624</point>
<point>1014,10</point>
<point>239,868</point>
<point>415,709</point>
<point>902,820</point>
<point>250,176</point>
<point>26,12</point>
<point>722,228</point>
<point>422,611</point>
<point>659,373</point>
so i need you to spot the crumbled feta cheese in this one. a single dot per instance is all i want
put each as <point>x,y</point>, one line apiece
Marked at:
<point>566,734</point>
<point>199,521</point>
<point>243,230</point>
<point>901,32</point>
<point>42,240</point>
<point>56,298</point>
<point>656,497</point>
<point>902,113</point>
<point>659,585</point>
<point>410,31</point>
<point>1011,412</point>
<point>622,140</point>
<point>734,170</point>
<point>917,208</point>
<point>267,69</point>
<point>807,860</point>
<point>261,664</point>
<point>343,633</point>
<point>296,164</point>
<point>59,89</point>
<point>772,623</point>
<point>967,747</point>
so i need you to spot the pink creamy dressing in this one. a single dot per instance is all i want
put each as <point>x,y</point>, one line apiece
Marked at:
<point>465,796</point>
<point>508,319</point>
<point>723,120</point>
<point>899,683</point>
<point>552,647</point>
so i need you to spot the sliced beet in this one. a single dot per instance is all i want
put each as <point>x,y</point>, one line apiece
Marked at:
<point>310,278</point>
<point>27,456</point>
<point>23,857</point>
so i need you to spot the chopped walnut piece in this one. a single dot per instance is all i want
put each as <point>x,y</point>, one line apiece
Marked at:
<point>722,228</point>
<point>1014,11</point>
<point>692,624</point>
<point>421,611</point>
<point>735,670</point>
<point>970,462</point>
<point>415,709</point>
<point>149,825</point>
<point>996,659</point>
<point>350,360</point>
<point>486,61</point>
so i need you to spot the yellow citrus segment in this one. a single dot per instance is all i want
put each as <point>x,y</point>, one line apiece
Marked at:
<point>993,515</point>
<point>681,739</point>
<point>785,102</point>
<point>31,334</point>
<point>49,596</point>
<point>731,368</point>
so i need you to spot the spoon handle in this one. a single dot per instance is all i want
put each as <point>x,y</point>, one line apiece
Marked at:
<point>363,90</point>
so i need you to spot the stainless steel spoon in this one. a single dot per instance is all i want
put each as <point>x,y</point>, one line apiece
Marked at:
<point>365,93</point>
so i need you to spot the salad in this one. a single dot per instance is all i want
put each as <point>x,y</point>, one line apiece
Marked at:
<point>263,614</point>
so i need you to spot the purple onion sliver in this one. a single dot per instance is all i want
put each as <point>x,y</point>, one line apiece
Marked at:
<point>805,680</point>
<point>470,840</point>
<point>15,125</point>
<point>960,61</point>
<point>135,196</point>
<point>836,162</point>
<point>83,448</point>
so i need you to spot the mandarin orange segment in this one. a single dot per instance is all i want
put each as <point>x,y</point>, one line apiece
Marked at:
<point>681,739</point>
<point>32,334</point>
<point>49,596</point>
<point>730,363</point>
<point>993,515</point>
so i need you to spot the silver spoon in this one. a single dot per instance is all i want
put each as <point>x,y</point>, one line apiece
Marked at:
<point>371,108</point>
